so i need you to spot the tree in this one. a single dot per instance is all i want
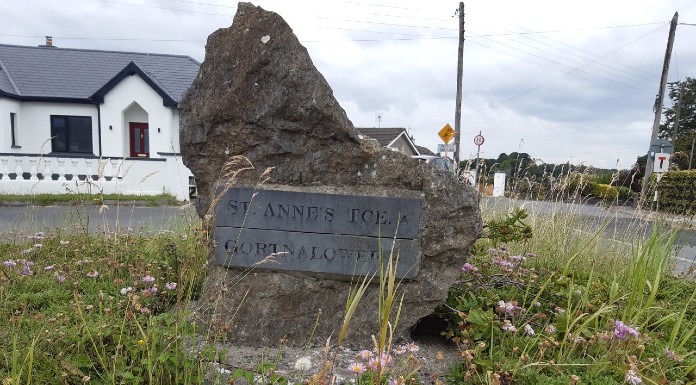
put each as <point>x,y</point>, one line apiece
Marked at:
<point>687,115</point>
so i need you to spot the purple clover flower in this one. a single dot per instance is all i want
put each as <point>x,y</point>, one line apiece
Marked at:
<point>10,263</point>
<point>508,308</point>
<point>92,274</point>
<point>469,268</point>
<point>632,378</point>
<point>508,327</point>
<point>503,264</point>
<point>170,285</point>
<point>528,330</point>
<point>148,279</point>
<point>621,331</point>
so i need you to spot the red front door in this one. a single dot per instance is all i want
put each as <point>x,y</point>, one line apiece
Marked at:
<point>139,140</point>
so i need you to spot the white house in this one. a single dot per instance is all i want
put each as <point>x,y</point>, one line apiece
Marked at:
<point>91,121</point>
<point>394,138</point>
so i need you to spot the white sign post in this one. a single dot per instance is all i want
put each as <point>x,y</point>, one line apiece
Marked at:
<point>660,166</point>
<point>499,184</point>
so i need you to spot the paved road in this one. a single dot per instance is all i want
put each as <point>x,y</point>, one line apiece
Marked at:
<point>619,220</point>
<point>114,218</point>
<point>18,220</point>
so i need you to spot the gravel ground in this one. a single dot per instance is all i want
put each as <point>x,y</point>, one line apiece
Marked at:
<point>431,368</point>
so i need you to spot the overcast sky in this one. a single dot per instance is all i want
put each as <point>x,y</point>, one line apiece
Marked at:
<point>561,80</point>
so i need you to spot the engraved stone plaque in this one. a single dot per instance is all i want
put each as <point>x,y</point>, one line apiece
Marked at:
<point>316,232</point>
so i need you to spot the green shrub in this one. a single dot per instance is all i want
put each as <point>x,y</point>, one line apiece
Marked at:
<point>589,188</point>
<point>677,192</point>
<point>605,192</point>
<point>625,193</point>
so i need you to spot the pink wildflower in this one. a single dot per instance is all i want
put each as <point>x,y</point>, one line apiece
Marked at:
<point>10,263</point>
<point>374,363</point>
<point>93,274</point>
<point>170,285</point>
<point>148,279</point>
<point>508,327</point>
<point>356,368</point>
<point>412,347</point>
<point>632,378</point>
<point>469,268</point>
<point>621,331</point>
<point>507,308</point>
<point>528,330</point>
<point>365,355</point>
<point>399,350</point>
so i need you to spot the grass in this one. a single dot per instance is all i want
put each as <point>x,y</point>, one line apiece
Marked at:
<point>579,302</point>
<point>112,308</point>
<point>95,199</point>
<point>99,308</point>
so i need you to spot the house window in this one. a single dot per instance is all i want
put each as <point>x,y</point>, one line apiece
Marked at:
<point>13,129</point>
<point>71,133</point>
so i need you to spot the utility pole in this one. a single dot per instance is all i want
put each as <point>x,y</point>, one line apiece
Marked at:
<point>676,116</point>
<point>691,157</point>
<point>658,102</point>
<point>458,107</point>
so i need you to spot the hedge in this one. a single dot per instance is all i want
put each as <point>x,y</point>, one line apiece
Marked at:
<point>677,192</point>
<point>605,192</point>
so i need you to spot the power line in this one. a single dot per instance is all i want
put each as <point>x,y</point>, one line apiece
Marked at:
<point>620,71</point>
<point>562,64</point>
<point>164,8</point>
<point>564,75</point>
<point>105,38</point>
<point>595,55</point>
<point>531,61</point>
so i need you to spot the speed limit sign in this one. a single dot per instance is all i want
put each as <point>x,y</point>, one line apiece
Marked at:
<point>478,140</point>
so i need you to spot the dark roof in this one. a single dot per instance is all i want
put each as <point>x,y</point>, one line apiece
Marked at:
<point>383,136</point>
<point>48,73</point>
<point>424,150</point>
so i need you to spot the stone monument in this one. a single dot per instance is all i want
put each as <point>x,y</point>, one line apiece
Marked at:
<point>301,208</point>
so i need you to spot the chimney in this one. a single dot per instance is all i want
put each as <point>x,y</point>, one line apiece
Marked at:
<point>49,41</point>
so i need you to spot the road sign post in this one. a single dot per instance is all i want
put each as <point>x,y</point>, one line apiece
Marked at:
<point>478,141</point>
<point>660,166</point>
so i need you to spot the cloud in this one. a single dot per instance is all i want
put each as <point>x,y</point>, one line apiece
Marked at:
<point>538,93</point>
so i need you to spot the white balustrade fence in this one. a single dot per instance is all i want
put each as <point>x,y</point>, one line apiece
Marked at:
<point>30,174</point>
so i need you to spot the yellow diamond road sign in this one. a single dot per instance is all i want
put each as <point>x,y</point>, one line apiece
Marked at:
<point>447,133</point>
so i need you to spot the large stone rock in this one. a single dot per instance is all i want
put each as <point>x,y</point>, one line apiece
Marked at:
<point>259,95</point>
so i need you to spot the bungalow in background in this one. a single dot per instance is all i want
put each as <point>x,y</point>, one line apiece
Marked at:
<point>90,121</point>
<point>396,139</point>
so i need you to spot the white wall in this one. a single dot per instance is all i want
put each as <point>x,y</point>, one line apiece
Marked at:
<point>34,124</point>
<point>7,106</point>
<point>115,116</point>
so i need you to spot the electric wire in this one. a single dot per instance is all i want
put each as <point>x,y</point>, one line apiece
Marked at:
<point>563,75</point>
<point>595,55</point>
<point>618,72</point>
<point>579,69</point>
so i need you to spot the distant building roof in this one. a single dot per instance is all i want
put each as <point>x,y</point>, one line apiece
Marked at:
<point>424,150</point>
<point>51,73</point>
<point>383,136</point>
<point>387,135</point>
